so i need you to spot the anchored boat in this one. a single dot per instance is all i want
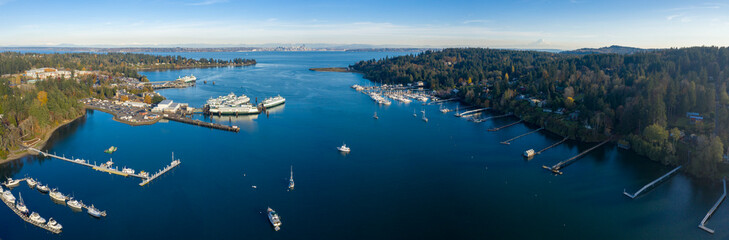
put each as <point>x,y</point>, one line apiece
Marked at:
<point>291,180</point>
<point>274,219</point>
<point>343,148</point>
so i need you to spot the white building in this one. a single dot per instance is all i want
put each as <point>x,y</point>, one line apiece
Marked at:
<point>135,104</point>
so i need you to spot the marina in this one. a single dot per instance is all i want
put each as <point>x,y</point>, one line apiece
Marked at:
<point>557,167</point>
<point>107,167</point>
<point>651,184</point>
<point>702,224</point>
<point>29,220</point>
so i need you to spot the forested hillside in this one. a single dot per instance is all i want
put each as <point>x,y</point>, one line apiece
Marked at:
<point>665,102</point>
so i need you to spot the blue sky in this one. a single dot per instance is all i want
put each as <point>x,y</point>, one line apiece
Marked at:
<point>561,24</point>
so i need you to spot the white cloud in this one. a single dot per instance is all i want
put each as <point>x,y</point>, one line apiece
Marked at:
<point>671,17</point>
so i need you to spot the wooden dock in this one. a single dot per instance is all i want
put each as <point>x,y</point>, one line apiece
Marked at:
<point>560,165</point>
<point>507,142</point>
<point>440,101</point>
<point>505,126</point>
<point>202,123</point>
<point>651,184</point>
<point>466,113</point>
<point>702,225</point>
<point>27,219</point>
<point>551,146</point>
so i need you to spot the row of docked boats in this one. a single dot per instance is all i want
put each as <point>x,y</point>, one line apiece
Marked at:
<point>20,207</point>
<point>240,105</point>
<point>55,195</point>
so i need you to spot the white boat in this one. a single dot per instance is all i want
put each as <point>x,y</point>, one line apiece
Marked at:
<point>11,183</point>
<point>31,182</point>
<point>52,224</point>
<point>74,204</point>
<point>128,170</point>
<point>42,188</point>
<point>425,119</point>
<point>35,217</point>
<point>58,196</point>
<point>274,219</point>
<point>343,148</point>
<point>235,110</point>
<point>291,180</point>
<point>95,212</point>
<point>529,153</point>
<point>21,205</point>
<point>8,197</point>
<point>375,116</point>
<point>187,79</point>
<point>273,101</point>
<point>414,114</point>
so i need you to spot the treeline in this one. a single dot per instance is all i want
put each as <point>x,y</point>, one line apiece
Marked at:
<point>126,63</point>
<point>601,94</point>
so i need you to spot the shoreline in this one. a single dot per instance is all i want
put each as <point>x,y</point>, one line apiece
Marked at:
<point>148,69</point>
<point>40,144</point>
<point>114,117</point>
<point>331,69</point>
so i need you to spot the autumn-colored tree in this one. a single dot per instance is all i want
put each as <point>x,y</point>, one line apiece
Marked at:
<point>43,97</point>
<point>147,99</point>
<point>124,98</point>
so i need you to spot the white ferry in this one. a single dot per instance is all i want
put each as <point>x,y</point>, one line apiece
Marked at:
<point>187,79</point>
<point>273,101</point>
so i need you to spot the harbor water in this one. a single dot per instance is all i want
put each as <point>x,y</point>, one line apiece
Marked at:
<point>447,178</point>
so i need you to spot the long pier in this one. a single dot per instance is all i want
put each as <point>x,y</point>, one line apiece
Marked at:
<point>159,173</point>
<point>203,124</point>
<point>560,165</point>
<point>143,175</point>
<point>466,113</point>
<point>507,142</point>
<point>440,101</point>
<point>551,146</point>
<point>27,219</point>
<point>702,225</point>
<point>651,184</point>
<point>505,126</point>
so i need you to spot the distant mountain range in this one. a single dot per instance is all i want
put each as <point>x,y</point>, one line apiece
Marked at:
<point>611,49</point>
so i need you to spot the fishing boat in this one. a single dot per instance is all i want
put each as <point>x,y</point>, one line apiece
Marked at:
<point>95,212</point>
<point>291,180</point>
<point>343,148</point>
<point>375,116</point>
<point>21,205</point>
<point>111,150</point>
<point>74,204</point>
<point>31,182</point>
<point>8,197</point>
<point>58,196</point>
<point>274,219</point>
<point>42,188</point>
<point>52,224</point>
<point>35,217</point>
<point>11,183</point>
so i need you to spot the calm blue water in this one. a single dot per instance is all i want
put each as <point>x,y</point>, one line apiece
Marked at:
<point>405,179</point>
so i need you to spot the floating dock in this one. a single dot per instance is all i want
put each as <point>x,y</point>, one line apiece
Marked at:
<point>27,219</point>
<point>505,126</point>
<point>143,175</point>
<point>551,146</point>
<point>203,124</point>
<point>560,165</point>
<point>702,225</point>
<point>507,142</point>
<point>651,184</point>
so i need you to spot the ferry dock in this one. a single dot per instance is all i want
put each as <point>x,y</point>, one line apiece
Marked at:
<point>702,225</point>
<point>202,123</point>
<point>27,219</point>
<point>505,126</point>
<point>651,184</point>
<point>104,168</point>
<point>555,169</point>
<point>507,142</point>
<point>551,146</point>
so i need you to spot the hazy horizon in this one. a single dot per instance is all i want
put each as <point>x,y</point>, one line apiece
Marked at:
<point>567,24</point>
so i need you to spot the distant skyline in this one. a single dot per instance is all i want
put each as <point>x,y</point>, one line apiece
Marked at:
<point>539,24</point>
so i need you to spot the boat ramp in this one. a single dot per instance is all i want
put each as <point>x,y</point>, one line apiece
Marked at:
<point>651,184</point>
